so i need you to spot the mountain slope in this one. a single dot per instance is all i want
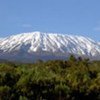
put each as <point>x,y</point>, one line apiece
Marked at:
<point>37,45</point>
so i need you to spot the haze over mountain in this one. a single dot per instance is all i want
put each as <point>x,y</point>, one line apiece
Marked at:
<point>28,47</point>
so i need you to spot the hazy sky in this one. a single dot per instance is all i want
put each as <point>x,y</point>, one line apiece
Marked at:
<point>79,17</point>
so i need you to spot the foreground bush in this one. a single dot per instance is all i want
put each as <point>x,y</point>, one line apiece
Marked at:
<point>74,79</point>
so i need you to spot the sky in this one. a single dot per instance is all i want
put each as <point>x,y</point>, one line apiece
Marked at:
<point>76,17</point>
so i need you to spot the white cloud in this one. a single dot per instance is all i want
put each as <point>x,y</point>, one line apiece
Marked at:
<point>97,28</point>
<point>26,25</point>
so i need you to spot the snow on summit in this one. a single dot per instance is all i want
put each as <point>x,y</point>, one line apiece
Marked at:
<point>38,45</point>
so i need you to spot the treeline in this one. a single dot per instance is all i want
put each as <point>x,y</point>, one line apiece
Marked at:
<point>73,79</point>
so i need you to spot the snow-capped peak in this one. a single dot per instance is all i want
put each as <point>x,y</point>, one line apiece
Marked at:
<point>47,45</point>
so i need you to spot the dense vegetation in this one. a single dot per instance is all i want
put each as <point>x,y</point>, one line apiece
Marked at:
<point>73,79</point>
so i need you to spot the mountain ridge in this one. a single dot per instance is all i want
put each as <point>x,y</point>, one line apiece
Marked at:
<point>39,45</point>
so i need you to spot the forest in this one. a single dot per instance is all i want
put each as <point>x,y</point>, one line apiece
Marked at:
<point>72,79</point>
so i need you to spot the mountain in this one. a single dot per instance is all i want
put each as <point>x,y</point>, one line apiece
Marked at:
<point>28,47</point>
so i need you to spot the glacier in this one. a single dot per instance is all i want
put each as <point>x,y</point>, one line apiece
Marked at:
<point>29,47</point>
